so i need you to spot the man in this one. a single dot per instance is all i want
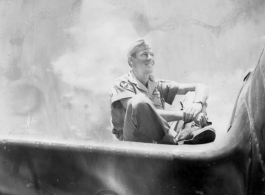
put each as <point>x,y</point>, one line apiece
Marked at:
<point>138,101</point>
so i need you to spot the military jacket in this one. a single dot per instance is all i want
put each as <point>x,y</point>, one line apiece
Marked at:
<point>158,91</point>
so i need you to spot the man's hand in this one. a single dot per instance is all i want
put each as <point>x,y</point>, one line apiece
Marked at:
<point>201,119</point>
<point>191,112</point>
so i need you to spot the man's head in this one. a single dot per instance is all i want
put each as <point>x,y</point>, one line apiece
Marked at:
<point>141,57</point>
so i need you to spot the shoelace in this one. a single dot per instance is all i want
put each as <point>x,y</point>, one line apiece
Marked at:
<point>196,125</point>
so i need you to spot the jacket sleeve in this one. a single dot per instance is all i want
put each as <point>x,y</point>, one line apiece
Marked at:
<point>121,89</point>
<point>168,90</point>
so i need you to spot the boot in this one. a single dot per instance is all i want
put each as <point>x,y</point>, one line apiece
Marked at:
<point>194,134</point>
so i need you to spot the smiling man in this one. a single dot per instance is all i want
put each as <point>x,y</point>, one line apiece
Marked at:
<point>138,105</point>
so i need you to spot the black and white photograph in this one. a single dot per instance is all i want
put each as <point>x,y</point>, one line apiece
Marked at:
<point>132,97</point>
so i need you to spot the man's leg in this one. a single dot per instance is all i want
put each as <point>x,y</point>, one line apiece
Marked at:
<point>142,123</point>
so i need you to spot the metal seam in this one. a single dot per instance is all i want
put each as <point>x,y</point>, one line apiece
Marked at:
<point>263,74</point>
<point>252,128</point>
<point>252,131</point>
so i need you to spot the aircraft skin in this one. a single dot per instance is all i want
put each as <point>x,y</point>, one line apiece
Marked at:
<point>233,166</point>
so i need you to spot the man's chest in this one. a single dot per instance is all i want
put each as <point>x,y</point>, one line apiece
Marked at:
<point>154,95</point>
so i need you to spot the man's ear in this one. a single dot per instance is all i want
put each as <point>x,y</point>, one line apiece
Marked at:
<point>130,61</point>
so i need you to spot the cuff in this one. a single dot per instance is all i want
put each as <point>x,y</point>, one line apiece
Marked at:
<point>120,96</point>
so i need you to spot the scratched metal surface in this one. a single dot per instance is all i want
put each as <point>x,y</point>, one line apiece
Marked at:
<point>58,59</point>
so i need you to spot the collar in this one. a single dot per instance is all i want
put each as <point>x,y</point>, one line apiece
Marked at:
<point>151,83</point>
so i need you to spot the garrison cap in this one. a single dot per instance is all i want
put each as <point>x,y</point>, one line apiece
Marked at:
<point>138,46</point>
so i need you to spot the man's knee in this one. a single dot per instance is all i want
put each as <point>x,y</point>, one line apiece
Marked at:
<point>188,98</point>
<point>139,101</point>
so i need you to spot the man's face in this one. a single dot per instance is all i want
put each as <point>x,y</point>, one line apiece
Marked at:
<point>143,61</point>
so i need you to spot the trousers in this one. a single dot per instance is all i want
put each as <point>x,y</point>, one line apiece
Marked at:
<point>143,124</point>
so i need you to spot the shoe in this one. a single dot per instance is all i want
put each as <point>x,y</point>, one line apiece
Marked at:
<point>194,134</point>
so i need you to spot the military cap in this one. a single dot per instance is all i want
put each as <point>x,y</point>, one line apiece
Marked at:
<point>138,46</point>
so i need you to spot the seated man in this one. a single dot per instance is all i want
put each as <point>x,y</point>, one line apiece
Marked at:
<point>138,101</point>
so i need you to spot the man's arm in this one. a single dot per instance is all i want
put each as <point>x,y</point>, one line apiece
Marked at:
<point>166,114</point>
<point>201,95</point>
<point>201,91</point>
<point>189,113</point>
<point>170,116</point>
